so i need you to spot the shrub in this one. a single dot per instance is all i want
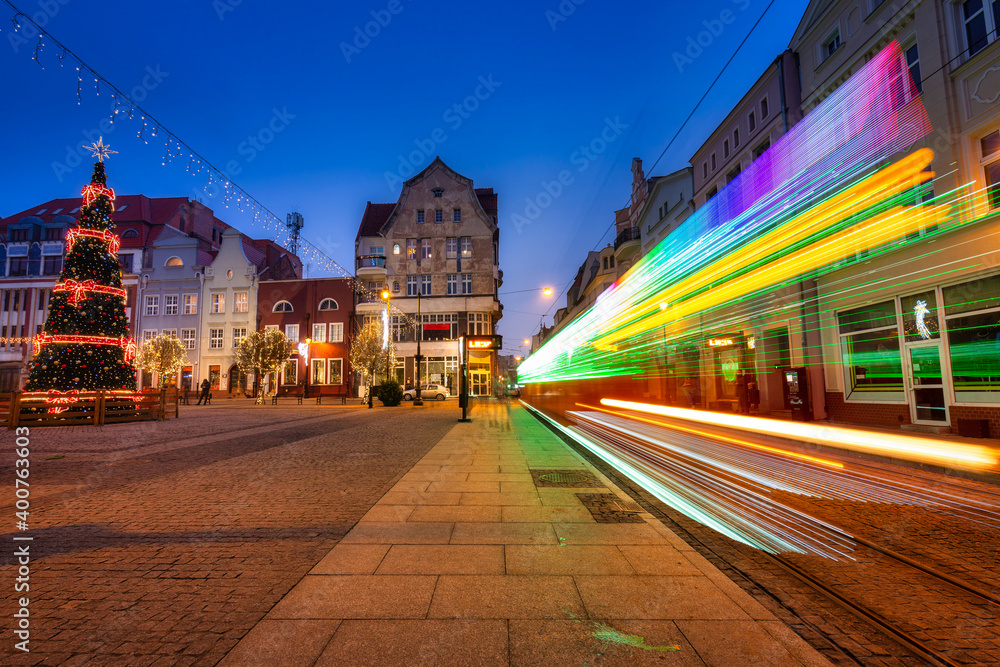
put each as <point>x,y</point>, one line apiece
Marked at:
<point>390,393</point>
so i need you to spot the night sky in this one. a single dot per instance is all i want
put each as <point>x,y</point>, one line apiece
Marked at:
<point>551,77</point>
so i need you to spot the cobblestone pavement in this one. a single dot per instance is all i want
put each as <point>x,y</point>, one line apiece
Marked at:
<point>956,623</point>
<point>164,543</point>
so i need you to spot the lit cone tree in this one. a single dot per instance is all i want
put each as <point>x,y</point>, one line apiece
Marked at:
<point>85,343</point>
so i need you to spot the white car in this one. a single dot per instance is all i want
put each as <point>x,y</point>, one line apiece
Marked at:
<point>438,391</point>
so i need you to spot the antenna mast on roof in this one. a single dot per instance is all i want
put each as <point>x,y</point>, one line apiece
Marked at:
<point>294,223</point>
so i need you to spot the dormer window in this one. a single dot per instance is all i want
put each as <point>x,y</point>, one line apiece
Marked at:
<point>831,44</point>
<point>130,234</point>
<point>438,192</point>
<point>121,208</point>
<point>174,261</point>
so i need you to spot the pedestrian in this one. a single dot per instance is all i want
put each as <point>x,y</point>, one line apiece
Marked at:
<point>687,391</point>
<point>753,394</point>
<point>742,395</point>
<point>205,386</point>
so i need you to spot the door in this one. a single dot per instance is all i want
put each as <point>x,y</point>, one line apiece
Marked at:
<point>925,383</point>
<point>479,382</point>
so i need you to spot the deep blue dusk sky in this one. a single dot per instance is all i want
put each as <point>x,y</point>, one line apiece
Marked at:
<point>222,79</point>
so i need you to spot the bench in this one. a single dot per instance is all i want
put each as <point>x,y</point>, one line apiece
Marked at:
<point>331,392</point>
<point>296,393</point>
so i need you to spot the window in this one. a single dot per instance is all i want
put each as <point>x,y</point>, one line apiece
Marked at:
<point>18,267</point>
<point>438,215</point>
<point>125,262</point>
<point>395,286</point>
<point>174,261</point>
<point>752,121</point>
<point>215,338</point>
<point>239,333</point>
<point>152,305</point>
<point>425,285</point>
<point>480,324</point>
<point>336,374</point>
<point>456,215</point>
<point>711,193</point>
<point>761,149</point>
<point>713,161</point>
<point>42,299</point>
<point>190,304</point>
<point>395,249</point>
<point>725,148</point>
<point>219,302</point>
<point>452,284</point>
<point>704,171</point>
<point>329,304</point>
<point>318,371</point>
<point>438,192</point>
<point>289,374</point>
<point>763,108</point>
<point>411,285</point>
<point>170,304</point>
<point>319,333</point>
<point>17,235</point>
<point>466,283</point>
<point>411,248</point>
<point>425,248</point>
<point>831,44</point>
<point>148,334</point>
<point>982,23</point>
<point>420,217</point>
<point>292,332</point>
<point>240,302</point>
<point>605,263</point>
<point>736,138</point>
<point>439,326</point>
<point>52,265</point>
<point>282,307</point>
<point>188,338</point>
<point>376,250</point>
<point>336,332</point>
<point>972,316</point>
<point>869,340</point>
<point>466,247</point>
<point>129,233</point>
<point>913,64</point>
<point>270,327</point>
<point>53,234</point>
<point>990,146</point>
<point>734,173</point>
<point>451,248</point>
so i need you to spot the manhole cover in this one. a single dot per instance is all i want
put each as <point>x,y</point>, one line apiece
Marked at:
<point>627,506</point>
<point>563,477</point>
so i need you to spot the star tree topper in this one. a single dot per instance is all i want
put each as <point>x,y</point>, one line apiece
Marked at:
<point>99,150</point>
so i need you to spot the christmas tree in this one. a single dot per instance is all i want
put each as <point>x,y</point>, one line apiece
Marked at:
<point>85,343</point>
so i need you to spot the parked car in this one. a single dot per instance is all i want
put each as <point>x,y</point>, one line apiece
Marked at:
<point>438,391</point>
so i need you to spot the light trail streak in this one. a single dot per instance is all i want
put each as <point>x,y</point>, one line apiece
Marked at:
<point>906,447</point>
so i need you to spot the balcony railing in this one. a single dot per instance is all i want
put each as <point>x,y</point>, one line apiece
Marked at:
<point>365,261</point>
<point>630,234</point>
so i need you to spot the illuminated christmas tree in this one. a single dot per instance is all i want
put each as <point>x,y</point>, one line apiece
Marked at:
<point>85,343</point>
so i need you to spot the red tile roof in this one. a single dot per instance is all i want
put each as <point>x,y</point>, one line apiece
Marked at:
<point>374,218</point>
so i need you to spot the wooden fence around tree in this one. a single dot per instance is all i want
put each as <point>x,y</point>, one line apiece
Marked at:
<point>86,409</point>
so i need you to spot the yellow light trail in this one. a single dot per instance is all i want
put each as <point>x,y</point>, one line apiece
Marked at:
<point>906,447</point>
<point>716,436</point>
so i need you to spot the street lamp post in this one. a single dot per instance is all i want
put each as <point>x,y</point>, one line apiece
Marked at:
<point>385,295</point>
<point>419,359</point>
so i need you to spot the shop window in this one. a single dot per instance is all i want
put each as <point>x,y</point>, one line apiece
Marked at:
<point>336,372</point>
<point>289,374</point>
<point>990,146</point>
<point>869,340</point>
<point>920,317</point>
<point>318,371</point>
<point>972,313</point>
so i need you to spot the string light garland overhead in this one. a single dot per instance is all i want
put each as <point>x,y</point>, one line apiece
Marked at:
<point>174,148</point>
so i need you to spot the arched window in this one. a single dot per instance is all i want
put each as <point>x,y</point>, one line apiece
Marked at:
<point>282,307</point>
<point>174,261</point>
<point>328,304</point>
<point>130,234</point>
<point>395,285</point>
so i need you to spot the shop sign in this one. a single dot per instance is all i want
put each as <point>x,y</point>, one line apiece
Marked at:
<point>719,342</point>
<point>484,342</point>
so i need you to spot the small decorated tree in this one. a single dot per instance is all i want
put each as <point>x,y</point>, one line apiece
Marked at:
<point>163,355</point>
<point>371,352</point>
<point>262,352</point>
<point>85,343</point>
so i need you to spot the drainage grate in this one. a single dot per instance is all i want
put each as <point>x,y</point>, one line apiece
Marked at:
<point>606,508</point>
<point>563,477</point>
<point>627,506</point>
